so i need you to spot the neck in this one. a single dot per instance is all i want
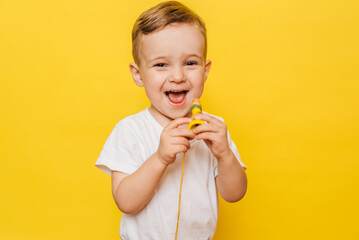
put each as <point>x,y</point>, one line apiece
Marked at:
<point>162,119</point>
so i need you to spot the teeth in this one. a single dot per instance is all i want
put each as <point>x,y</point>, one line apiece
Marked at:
<point>175,91</point>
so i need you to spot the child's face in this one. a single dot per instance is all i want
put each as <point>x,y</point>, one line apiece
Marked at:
<point>171,69</point>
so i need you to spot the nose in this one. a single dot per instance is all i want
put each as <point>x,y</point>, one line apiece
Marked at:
<point>177,75</point>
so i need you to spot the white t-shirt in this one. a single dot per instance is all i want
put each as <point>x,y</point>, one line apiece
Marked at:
<point>133,140</point>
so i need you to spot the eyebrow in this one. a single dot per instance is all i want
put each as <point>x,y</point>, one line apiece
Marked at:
<point>194,55</point>
<point>186,56</point>
<point>156,58</point>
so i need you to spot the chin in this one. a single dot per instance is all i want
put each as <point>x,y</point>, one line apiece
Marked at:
<point>178,114</point>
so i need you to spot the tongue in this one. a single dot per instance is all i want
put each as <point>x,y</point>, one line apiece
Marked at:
<point>176,97</point>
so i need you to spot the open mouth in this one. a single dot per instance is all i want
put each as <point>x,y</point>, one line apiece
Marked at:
<point>176,97</point>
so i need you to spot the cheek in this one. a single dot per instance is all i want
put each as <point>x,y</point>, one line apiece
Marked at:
<point>154,90</point>
<point>197,77</point>
<point>153,80</point>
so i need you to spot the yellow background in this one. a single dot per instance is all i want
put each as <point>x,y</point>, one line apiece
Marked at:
<point>284,77</point>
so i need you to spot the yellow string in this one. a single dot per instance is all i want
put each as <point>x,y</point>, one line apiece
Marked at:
<point>179,199</point>
<point>195,109</point>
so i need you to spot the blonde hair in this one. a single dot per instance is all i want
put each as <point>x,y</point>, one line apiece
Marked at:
<point>161,15</point>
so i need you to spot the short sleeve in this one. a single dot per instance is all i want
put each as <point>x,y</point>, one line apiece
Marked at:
<point>234,149</point>
<point>121,151</point>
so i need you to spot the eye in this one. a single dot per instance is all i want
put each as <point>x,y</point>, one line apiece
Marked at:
<point>191,63</point>
<point>159,65</point>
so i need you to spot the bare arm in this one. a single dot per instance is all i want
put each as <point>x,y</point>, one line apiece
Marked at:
<point>132,192</point>
<point>231,180</point>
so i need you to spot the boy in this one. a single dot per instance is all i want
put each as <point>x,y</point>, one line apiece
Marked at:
<point>144,152</point>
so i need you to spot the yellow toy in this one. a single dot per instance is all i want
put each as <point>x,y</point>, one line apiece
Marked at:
<point>196,108</point>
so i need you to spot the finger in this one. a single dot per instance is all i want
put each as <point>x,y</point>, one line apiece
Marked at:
<point>178,122</point>
<point>182,132</point>
<point>180,141</point>
<point>206,136</point>
<point>208,118</point>
<point>209,127</point>
<point>180,149</point>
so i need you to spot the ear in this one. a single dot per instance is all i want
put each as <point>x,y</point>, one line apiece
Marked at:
<point>136,75</point>
<point>207,67</point>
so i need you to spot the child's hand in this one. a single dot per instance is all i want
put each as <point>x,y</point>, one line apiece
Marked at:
<point>174,139</point>
<point>214,134</point>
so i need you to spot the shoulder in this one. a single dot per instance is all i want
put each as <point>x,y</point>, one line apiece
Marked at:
<point>214,116</point>
<point>127,131</point>
<point>138,124</point>
<point>131,121</point>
